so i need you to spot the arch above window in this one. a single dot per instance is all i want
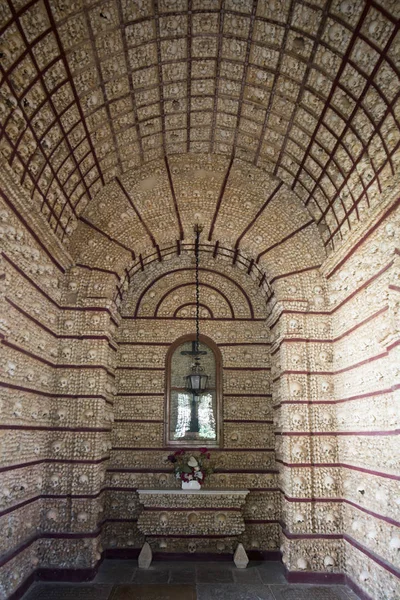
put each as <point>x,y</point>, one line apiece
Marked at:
<point>193,420</point>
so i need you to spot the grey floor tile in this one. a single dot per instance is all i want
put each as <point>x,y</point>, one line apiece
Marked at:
<point>249,575</point>
<point>116,571</point>
<point>73,591</point>
<point>182,575</point>
<point>154,574</point>
<point>271,572</point>
<point>153,592</point>
<point>233,591</point>
<point>308,592</point>
<point>214,573</point>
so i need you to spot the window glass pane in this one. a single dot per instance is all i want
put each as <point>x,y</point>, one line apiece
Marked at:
<point>192,418</point>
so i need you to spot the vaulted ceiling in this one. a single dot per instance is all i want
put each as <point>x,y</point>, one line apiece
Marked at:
<point>307,91</point>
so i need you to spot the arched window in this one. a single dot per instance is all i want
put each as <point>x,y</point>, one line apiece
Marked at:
<point>192,419</point>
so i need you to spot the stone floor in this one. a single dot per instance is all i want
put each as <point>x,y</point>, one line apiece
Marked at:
<point>122,580</point>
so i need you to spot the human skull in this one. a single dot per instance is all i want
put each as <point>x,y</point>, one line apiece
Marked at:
<point>61,413</point>
<point>325,386</point>
<point>66,352</point>
<point>329,482</point>
<point>163,519</point>
<point>30,375</point>
<point>297,419</point>
<point>295,389</point>
<point>54,480</point>
<point>326,417</point>
<point>299,518</point>
<point>56,446</point>
<point>192,547</point>
<point>91,383</point>
<point>63,382</point>
<point>11,367</point>
<point>82,517</point>
<point>86,446</point>
<point>68,324</point>
<point>95,319</point>
<point>296,359</point>
<point>52,515</point>
<point>162,480</point>
<point>17,410</point>
<point>89,414</point>
<point>91,355</point>
<point>83,479</point>
<point>298,450</point>
<point>328,561</point>
<point>302,563</point>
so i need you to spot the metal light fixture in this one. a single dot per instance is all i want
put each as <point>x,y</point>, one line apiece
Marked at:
<point>196,380</point>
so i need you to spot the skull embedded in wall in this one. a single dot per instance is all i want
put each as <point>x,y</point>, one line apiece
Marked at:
<point>299,518</point>
<point>82,517</point>
<point>298,450</point>
<point>68,324</point>
<point>66,352</point>
<point>83,479</point>
<point>63,382</point>
<point>96,320</point>
<point>10,368</point>
<point>88,414</point>
<point>56,447</point>
<point>325,386</point>
<point>295,389</point>
<point>86,446</point>
<point>297,419</point>
<point>329,482</point>
<point>17,410</point>
<point>163,479</point>
<point>61,413</point>
<point>192,547</point>
<point>52,515</point>
<point>329,561</point>
<point>92,353</point>
<point>296,358</point>
<point>30,375</point>
<point>54,480</point>
<point>302,564</point>
<point>163,519</point>
<point>91,382</point>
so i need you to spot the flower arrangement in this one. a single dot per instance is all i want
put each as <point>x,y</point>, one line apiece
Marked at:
<point>191,467</point>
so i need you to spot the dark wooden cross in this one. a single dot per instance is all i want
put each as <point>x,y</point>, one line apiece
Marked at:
<point>193,351</point>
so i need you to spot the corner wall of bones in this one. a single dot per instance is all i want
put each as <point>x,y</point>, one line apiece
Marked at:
<point>56,390</point>
<point>335,383</point>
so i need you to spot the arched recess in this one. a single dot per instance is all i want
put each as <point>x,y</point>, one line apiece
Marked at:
<point>217,386</point>
<point>224,310</point>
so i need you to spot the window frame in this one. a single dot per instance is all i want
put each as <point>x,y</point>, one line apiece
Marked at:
<point>218,391</point>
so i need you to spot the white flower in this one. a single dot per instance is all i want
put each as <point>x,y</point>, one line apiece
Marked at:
<point>192,462</point>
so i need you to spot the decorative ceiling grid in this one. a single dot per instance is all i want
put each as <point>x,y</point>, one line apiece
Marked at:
<point>308,91</point>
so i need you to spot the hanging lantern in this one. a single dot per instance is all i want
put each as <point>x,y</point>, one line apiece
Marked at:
<point>197,380</point>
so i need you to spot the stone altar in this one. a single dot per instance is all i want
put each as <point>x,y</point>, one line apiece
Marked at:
<point>199,513</point>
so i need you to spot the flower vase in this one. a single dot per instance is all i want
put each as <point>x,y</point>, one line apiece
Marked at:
<point>193,484</point>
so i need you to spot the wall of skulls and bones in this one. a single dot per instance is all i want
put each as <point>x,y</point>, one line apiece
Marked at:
<point>310,385</point>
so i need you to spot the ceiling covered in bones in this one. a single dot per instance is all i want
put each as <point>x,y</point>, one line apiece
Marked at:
<point>305,93</point>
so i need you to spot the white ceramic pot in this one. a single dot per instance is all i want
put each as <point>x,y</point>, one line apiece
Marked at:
<point>191,485</point>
